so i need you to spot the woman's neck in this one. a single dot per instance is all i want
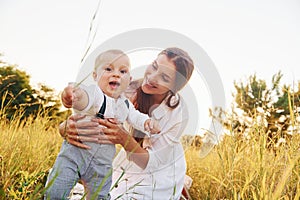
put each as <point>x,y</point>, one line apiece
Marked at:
<point>158,98</point>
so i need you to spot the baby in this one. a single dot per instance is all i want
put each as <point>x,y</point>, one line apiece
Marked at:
<point>104,100</point>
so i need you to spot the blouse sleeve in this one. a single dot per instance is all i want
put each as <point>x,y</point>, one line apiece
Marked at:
<point>136,118</point>
<point>166,147</point>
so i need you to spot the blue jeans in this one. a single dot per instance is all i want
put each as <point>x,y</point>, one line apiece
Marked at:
<point>90,166</point>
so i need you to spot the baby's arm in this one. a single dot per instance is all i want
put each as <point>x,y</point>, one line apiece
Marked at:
<point>142,121</point>
<point>152,126</point>
<point>75,97</point>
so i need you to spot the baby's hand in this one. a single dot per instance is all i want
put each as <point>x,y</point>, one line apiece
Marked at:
<point>70,94</point>
<point>67,96</point>
<point>152,126</point>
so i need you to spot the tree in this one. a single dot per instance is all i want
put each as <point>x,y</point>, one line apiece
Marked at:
<point>16,91</point>
<point>274,109</point>
<point>18,95</point>
<point>256,94</point>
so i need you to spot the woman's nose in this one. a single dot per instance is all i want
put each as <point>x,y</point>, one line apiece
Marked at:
<point>152,78</point>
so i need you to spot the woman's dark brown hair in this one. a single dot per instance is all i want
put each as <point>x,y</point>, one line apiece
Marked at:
<point>184,68</point>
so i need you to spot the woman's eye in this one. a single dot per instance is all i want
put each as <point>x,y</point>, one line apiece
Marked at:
<point>154,66</point>
<point>165,79</point>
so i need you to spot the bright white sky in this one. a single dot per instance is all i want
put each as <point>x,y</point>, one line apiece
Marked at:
<point>47,38</point>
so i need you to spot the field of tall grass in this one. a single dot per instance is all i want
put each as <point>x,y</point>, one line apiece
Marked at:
<point>27,151</point>
<point>234,169</point>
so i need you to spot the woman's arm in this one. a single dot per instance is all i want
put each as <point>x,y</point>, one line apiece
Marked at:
<point>116,134</point>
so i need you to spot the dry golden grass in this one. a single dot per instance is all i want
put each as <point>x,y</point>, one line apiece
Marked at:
<point>238,169</point>
<point>27,151</point>
<point>234,169</point>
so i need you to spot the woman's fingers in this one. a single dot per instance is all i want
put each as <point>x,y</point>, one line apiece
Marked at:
<point>86,124</point>
<point>105,139</point>
<point>105,142</point>
<point>82,138</point>
<point>88,132</point>
<point>103,122</point>
<point>112,120</point>
<point>74,127</point>
<point>76,117</point>
<point>112,133</point>
<point>109,123</point>
<point>77,143</point>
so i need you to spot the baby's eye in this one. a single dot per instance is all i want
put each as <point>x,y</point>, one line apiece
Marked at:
<point>123,71</point>
<point>108,69</point>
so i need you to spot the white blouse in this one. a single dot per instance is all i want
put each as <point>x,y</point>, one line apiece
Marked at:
<point>163,178</point>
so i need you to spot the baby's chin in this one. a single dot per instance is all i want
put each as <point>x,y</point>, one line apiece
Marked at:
<point>113,94</point>
<point>116,92</point>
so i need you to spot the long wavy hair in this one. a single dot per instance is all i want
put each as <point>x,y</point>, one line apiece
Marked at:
<point>184,68</point>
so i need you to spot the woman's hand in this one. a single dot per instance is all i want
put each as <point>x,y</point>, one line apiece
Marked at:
<point>77,132</point>
<point>114,133</point>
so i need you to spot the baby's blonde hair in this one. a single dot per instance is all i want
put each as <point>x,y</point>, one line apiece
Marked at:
<point>108,56</point>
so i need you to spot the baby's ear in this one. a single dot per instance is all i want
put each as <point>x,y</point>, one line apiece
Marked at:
<point>95,76</point>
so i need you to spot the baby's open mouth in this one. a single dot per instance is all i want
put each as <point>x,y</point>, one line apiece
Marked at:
<point>114,84</point>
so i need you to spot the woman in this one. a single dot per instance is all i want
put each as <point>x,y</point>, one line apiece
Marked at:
<point>147,168</point>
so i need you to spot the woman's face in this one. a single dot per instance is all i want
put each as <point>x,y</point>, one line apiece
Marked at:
<point>159,77</point>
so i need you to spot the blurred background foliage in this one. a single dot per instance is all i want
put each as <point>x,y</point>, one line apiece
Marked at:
<point>18,95</point>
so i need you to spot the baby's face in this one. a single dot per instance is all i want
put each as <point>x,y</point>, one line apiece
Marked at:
<point>114,77</point>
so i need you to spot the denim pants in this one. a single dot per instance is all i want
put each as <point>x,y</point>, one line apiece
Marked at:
<point>90,166</point>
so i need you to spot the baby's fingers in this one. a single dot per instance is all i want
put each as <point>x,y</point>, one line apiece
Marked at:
<point>147,127</point>
<point>154,127</point>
